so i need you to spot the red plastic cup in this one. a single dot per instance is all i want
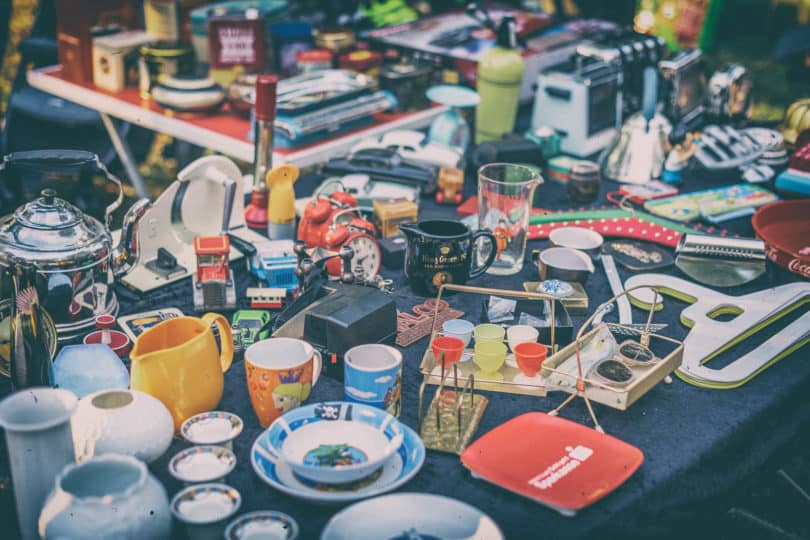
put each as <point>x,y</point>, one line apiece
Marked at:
<point>451,347</point>
<point>530,356</point>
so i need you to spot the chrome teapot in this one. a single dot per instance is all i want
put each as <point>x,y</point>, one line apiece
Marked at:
<point>72,252</point>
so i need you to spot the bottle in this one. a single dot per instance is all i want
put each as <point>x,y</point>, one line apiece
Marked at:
<point>265,116</point>
<point>500,73</point>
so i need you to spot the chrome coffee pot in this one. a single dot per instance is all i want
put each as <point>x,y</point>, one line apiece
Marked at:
<point>72,252</point>
<point>637,154</point>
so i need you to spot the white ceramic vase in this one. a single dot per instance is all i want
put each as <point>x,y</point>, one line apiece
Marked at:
<point>126,422</point>
<point>108,497</point>
<point>37,424</point>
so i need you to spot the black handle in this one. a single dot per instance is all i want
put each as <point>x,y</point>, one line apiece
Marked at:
<point>247,249</point>
<point>558,93</point>
<point>493,252</point>
<point>67,159</point>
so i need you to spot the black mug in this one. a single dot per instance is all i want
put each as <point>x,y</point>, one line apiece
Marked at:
<point>441,251</point>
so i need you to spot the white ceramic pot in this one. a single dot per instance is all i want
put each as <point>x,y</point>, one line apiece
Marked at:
<point>125,422</point>
<point>108,497</point>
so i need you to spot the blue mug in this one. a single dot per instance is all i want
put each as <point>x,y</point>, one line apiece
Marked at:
<point>373,376</point>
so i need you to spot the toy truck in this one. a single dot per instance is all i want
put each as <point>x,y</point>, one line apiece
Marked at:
<point>213,285</point>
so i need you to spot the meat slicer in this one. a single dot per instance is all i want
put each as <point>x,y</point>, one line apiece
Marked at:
<point>186,209</point>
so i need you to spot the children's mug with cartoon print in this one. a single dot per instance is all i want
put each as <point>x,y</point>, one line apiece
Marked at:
<point>372,375</point>
<point>178,362</point>
<point>280,374</point>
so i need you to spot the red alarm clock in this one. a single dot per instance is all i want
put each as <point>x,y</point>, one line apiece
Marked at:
<point>317,218</point>
<point>357,233</point>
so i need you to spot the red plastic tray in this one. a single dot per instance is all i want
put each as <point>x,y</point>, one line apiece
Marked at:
<point>556,462</point>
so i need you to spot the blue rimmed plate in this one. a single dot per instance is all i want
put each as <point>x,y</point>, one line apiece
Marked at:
<point>396,471</point>
<point>335,442</point>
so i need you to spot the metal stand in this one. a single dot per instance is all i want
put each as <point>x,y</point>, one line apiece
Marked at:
<point>581,381</point>
<point>125,155</point>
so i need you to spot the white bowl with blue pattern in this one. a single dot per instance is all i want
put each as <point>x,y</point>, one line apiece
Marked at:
<point>334,443</point>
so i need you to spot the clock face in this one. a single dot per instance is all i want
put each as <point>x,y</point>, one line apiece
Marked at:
<point>366,254</point>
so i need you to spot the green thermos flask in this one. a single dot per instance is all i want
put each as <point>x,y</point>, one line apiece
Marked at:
<point>500,73</point>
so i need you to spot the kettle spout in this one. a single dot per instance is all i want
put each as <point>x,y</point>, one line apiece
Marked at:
<point>126,253</point>
<point>409,229</point>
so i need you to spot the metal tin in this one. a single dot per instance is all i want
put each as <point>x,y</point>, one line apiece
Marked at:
<point>408,82</point>
<point>583,182</point>
<point>313,60</point>
<point>159,60</point>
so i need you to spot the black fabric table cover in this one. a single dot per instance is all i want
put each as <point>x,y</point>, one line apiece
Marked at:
<point>698,444</point>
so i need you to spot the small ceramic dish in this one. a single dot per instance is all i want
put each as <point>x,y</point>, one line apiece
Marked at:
<point>264,524</point>
<point>205,508</point>
<point>579,238</point>
<point>202,464</point>
<point>212,428</point>
<point>336,442</point>
<point>565,264</point>
<point>188,93</point>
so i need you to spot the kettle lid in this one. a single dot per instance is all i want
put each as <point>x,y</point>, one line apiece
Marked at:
<point>49,212</point>
<point>52,225</point>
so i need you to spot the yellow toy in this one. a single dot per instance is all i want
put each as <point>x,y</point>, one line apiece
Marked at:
<point>281,204</point>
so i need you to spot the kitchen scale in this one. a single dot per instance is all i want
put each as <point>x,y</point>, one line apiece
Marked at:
<point>186,209</point>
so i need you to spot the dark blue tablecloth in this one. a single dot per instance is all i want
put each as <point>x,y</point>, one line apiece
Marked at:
<point>698,444</point>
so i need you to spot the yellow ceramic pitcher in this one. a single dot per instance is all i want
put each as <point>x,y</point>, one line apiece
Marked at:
<point>177,362</point>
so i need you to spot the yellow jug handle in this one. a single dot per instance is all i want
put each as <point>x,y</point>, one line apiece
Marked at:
<point>225,338</point>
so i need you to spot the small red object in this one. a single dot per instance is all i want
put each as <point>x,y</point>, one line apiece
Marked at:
<point>116,340</point>
<point>265,304</point>
<point>256,211</point>
<point>452,347</point>
<point>265,107</point>
<point>468,207</point>
<point>105,322</point>
<point>530,356</point>
<point>553,461</point>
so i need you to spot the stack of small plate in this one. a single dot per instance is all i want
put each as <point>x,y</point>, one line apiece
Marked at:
<point>337,452</point>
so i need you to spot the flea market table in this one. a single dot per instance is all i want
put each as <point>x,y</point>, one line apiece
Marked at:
<point>698,443</point>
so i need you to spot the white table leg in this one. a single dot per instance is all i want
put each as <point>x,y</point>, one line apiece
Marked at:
<point>125,155</point>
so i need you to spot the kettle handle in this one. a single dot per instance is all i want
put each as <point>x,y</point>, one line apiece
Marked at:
<point>67,159</point>
<point>225,338</point>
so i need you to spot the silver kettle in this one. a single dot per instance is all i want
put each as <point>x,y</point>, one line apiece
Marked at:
<point>637,154</point>
<point>71,252</point>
